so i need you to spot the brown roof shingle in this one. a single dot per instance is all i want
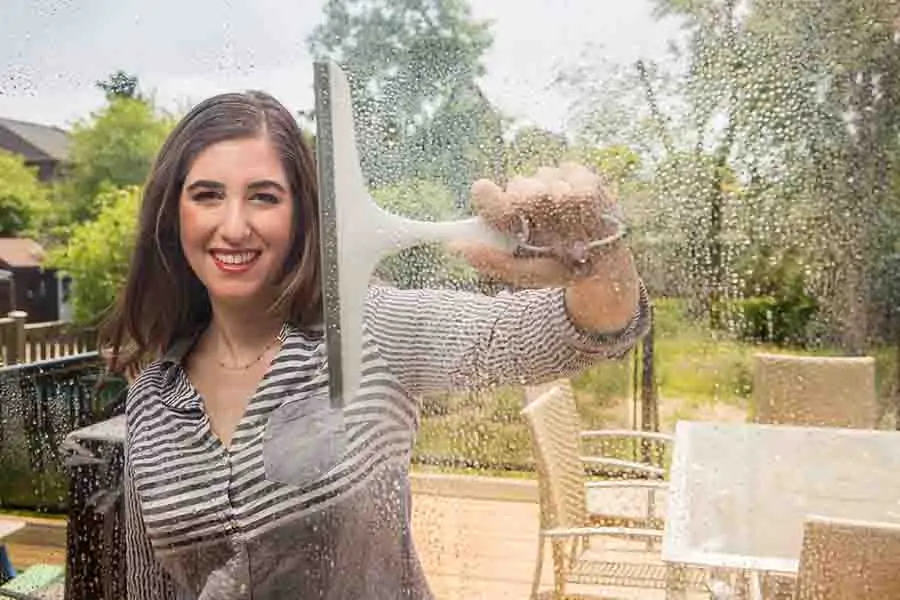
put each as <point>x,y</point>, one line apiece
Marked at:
<point>20,252</point>
<point>45,140</point>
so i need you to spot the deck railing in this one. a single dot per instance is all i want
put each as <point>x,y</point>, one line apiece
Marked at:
<point>22,342</point>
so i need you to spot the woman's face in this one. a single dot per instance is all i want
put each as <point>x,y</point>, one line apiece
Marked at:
<point>235,214</point>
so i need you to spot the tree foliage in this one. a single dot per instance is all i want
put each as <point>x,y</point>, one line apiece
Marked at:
<point>774,122</point>
<point>412,66</point>
<point>120,85</point>
<point>113,148</point>
<point>97,253</point>
<point>23,198</point>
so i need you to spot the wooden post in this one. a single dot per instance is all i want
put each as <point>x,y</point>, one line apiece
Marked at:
<point>649,399</point>
<point>16,348</point>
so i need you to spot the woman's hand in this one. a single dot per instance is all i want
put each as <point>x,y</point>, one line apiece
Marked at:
<point>562,210</point>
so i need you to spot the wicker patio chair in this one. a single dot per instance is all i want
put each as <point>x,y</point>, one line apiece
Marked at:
<point>849,560</point>
<point>819,391</point>
<point>591,542</point>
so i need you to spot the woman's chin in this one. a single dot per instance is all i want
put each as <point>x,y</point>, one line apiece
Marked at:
<point>240,296</point>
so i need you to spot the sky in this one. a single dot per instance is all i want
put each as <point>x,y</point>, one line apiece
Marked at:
<point>53,51</point>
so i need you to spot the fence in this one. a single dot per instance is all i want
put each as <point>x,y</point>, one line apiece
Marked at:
<point>22,342</point>
<point>40,404</point>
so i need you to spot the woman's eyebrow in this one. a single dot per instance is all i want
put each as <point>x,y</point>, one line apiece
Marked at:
<point>254,185</point>
<point>266,183</point>
<point>205,183</point>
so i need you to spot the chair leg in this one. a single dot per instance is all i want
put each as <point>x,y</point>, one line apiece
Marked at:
<point>651,514</point>
<point>676,589</point>
<point>744,587</point>
<point>573,552</point>
<point>559,570</point>
<point>538,569</point>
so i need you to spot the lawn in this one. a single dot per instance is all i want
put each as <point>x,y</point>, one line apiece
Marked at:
<point>699,374</point>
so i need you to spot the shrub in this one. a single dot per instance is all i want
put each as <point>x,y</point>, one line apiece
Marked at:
<point>98,252</point>
<point>783,321</point>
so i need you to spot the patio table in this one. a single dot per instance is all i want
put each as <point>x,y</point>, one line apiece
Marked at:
<point>740,493</point>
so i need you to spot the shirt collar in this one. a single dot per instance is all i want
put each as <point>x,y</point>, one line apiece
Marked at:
<point>179,349</point>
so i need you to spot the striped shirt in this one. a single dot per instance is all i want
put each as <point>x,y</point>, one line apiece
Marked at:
<point>284,514</point>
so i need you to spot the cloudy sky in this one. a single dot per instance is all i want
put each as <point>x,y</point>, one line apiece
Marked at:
<point>52,51</point>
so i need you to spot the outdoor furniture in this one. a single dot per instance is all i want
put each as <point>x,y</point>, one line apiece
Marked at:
<point>819,391</point>
<point>740,493</point>
<point>601,533</point>
<point>33,579</point>
<point>35,583</point>
<point>849,560</point>
<point>7,528</point>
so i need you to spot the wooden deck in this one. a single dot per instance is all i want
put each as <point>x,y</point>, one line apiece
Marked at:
<point>42,541</point>
<point>471,548</point>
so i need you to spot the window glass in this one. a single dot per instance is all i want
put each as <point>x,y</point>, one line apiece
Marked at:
<point>748,147</point>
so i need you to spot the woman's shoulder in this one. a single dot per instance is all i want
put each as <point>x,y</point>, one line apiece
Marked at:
<point>145,385</point>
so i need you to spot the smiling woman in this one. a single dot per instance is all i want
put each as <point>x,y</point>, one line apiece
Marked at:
<point>236,214</point>
<point>231,490</point>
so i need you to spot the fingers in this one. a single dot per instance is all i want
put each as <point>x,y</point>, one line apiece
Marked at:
<point>492,204</point>
<point>579,177</point>
<point>568,199</point>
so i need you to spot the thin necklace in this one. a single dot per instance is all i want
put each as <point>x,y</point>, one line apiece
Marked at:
<point>244,367</point>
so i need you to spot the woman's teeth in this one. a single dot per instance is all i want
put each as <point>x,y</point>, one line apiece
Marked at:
<point>235,258</point>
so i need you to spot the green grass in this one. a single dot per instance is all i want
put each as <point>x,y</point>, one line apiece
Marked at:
<point>695,370</point>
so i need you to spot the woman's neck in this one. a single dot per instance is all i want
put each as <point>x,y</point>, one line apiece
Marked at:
<point>236,334</point>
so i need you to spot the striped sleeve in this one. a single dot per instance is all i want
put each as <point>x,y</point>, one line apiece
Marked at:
<point>441,340</point>
<point>146,579</point>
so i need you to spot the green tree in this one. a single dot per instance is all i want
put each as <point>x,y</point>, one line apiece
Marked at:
<point>462,142</point>
<point>775,122</point>
<point>23,198</point>
<point>532,147</point>
<point>97,254</point>
<point>115,147</point>
<point>813,90</point>
<point>617,164</point>
<point>412,66</point>
<point>120,85</point>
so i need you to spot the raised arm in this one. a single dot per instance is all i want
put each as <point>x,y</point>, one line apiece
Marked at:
<point>440,340</point>
<point>584,282</point>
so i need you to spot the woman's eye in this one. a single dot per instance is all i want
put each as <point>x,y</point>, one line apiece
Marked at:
<point>206,195</point>
<point>267,198</point>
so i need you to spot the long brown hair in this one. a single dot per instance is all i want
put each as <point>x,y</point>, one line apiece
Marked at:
<point>163,300</point>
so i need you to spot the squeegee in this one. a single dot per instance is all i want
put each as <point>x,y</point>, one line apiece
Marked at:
<point>356,234</point>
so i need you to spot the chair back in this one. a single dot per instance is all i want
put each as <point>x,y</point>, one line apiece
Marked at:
<point>555,433</point>
<point>849,560</point>
<point>820,391</point>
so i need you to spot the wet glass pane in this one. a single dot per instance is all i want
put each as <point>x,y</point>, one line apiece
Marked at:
<point>739,436</point>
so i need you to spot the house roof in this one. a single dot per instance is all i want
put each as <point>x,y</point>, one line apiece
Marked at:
<point>20,252</point>
<point>45,140</point>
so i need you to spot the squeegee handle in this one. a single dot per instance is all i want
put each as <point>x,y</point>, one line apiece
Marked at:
<point>476,229</point>
<point>409,232</point>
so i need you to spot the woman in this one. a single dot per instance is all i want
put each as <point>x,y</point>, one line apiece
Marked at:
<point>228,496</point>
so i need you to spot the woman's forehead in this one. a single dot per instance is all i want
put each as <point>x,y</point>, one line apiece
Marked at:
<point>238,162</point>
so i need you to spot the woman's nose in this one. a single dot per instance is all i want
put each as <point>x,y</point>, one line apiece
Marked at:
<point>235,226</point>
